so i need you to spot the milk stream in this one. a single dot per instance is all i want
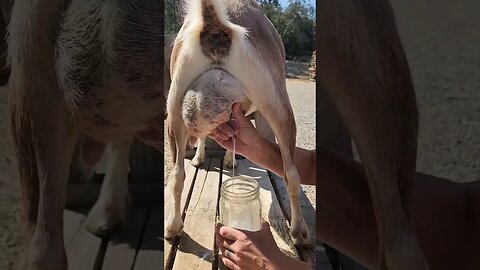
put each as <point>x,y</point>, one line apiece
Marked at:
<point>220,263</point>
<point>233,157</point>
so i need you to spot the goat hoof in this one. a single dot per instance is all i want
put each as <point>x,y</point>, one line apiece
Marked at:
<point>174,226</point>
<point>197,161</point>
<point>300,234</point>
<point>229,161</point>
<point>103,219</point>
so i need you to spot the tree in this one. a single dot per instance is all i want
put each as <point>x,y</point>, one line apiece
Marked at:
<point>298,30</point>
<point>173,16</point>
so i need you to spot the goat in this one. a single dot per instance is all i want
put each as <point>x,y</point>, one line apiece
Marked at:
<point>363,67</point>
<point>228,52</point>
<point>80,69</point>
<point>199,157</point>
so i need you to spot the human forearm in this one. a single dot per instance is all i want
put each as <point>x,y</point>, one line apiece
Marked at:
<point>346,221</point>
<point>267,154</point>
<point>288,263</point>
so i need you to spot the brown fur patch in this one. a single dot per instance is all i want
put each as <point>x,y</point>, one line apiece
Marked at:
<point>215,37</point>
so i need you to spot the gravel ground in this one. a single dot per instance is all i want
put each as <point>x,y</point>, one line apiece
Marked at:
<point>442,43</point>
<point>302,99</point>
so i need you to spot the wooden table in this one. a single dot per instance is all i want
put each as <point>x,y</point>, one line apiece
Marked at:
<point>138,243</point>
<point>195,248</point>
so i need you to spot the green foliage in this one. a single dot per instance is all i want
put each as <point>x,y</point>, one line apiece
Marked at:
<point>295,23</point>
<point>173,15</point>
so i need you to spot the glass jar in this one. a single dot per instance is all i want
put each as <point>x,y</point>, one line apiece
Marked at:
<point>240,203</point>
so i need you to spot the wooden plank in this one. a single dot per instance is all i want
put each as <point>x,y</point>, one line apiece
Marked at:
<point>189,180</point>
<point>195,250</point>
<point>150,253</point>
<point>122,247</point>
<point>308,211</point>
<point>82,251</point>
<point>271,210</point>
<point>321,260</point>
<point>72,223</point>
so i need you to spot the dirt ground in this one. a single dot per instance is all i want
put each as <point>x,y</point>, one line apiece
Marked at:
<point>441,41</point>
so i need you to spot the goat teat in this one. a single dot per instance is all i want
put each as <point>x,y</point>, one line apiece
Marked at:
<point>209,99</point>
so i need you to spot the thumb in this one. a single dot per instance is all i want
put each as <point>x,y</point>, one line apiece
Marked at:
<point>238,114</point>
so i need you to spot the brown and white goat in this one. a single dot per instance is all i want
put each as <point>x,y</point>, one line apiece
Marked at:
<point>228,52</point>
<point>91,69</point>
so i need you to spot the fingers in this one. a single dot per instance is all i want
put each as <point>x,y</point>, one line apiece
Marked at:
<point>229,255</point>
<point>227,128</point>
<point>239,115</point>
<point>227,144</point>
<point>223,242</point>
<point>230,233</point>
<point>225,246</point>
<point>229,263</point>
<point>220,134</point>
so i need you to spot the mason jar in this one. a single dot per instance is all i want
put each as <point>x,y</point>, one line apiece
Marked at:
<point>240,203</point>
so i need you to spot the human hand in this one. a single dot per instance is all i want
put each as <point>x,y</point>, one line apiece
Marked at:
<point>241,249</point>
<point>240,128</point>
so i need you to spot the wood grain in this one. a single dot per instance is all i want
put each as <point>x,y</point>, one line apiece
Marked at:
<point>195,250</point>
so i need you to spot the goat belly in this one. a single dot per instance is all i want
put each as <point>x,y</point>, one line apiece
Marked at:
<point>208,101</point>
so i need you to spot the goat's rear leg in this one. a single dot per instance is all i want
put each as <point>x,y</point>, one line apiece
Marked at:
<point>389,161</point>
<point>284,128</point>
<point>44,141</point>
<point>199,157</point>
<point>114,199</point>
<point>177,138</point>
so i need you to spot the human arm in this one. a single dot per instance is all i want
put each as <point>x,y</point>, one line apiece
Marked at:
<point>443,212</point>
<point>263,152</point>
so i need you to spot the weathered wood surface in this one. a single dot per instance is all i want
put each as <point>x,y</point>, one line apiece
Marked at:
<point>191,173</point>
<point>308,212</point>
<point>195,248</point>
<point>150,255</point>
<point>137,244</point>
<point>145,179</point>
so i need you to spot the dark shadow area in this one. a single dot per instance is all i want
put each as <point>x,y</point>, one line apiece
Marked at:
<point>188,245</point>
